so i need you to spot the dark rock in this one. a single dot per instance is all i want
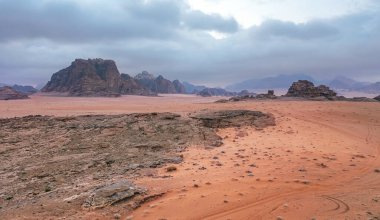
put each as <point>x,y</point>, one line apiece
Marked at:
<point>92,77</point>
<point>306,89</point>
<point>159,84</point>
<point>111,194</point>
<point>8,93</point>
<point>235,118</point>
<point>129,86</point>
<point>164,86</point>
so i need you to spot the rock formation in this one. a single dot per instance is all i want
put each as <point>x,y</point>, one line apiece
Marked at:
<point>179,87</point>
<point>92,77</point>
<point>306,89</point>
<point>129,86</point>
<point>164,86</point>
<point>159,84</point>
<point>8,93</point>
<point>98,77</point>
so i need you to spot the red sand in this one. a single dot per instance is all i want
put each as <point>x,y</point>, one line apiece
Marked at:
<point>318,162</point>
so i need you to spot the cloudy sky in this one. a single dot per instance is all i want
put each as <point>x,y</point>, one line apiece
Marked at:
<point>212,42</point>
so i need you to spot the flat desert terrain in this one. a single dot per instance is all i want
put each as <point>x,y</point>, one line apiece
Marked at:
<point>320,161</point>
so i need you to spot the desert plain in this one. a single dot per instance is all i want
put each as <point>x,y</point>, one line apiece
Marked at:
<point>321,160</point>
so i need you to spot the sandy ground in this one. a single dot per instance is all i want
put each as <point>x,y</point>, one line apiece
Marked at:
<point>319,161</point>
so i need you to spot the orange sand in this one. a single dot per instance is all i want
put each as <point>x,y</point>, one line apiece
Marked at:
<point>318,162</point>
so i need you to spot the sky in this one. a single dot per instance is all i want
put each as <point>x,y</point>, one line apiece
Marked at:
<point>210,42</point>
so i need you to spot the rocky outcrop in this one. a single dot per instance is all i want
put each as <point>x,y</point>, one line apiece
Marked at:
<point>235,118</point>
<point>306,89</point>
<point>8,93</point>
<point>111,194</point>
<point>92,77</point>
<point>215,92</point>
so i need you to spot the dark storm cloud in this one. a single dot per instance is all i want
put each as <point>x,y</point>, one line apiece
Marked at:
<point>166,37</point>
<point>70,21</point>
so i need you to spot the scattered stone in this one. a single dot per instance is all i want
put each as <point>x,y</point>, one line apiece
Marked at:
<point>171,169</point>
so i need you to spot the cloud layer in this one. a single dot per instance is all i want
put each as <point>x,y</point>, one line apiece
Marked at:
<point>168,37</point>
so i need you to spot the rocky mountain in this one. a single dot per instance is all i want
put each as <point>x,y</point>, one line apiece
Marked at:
<point>279,81</point>
<point>193,89</point>
<point>8,93</point>
<point>373,88</point>
<point>345,83</point>
<point>159,84</point>
<point>129,86</point>
<point>98,77</point>
<point>306,89</point>
<point>179,87</point>
<point>92,77</point>
<point>25,89</point>
<point>215,92</point>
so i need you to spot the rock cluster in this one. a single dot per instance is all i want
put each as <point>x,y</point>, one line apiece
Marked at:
<point>8,93</point>
<point>306,89</point>
<point>98,77</point>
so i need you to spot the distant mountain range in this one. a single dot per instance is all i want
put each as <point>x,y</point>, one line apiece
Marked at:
<point>28,90</point>
<point>284,81</point>
<point>280,81</point>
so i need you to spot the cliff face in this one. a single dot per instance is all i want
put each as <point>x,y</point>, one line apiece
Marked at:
<point>92,77</point>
